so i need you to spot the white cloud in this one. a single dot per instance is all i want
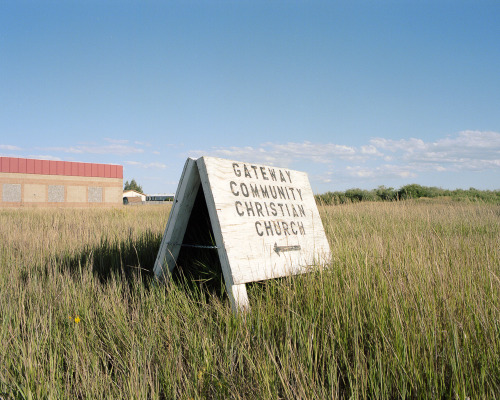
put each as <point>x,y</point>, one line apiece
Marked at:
<point>360,172</point>
<point>316,152</point>
<point>472,139</point>
<point>155,165</point>
<point>467,150</point>
<point>386,171</point>
<point>378,159</point>
<point>116,141</point>
<point>9,147</point>
<point>288,153</point>
<point>113,148</point>
<point>407,145</point>
<point>370,150</point>
<point>258,155</point>
<point>45,157</point>
<point>152,165</point>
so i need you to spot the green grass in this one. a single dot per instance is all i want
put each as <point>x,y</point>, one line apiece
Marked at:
<point>408,308</point>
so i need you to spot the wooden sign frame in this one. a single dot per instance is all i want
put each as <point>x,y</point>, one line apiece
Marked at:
<point>264,220</point>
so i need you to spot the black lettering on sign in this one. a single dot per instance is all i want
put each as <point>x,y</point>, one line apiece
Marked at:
<point>301,228</point>
<point>269,228</point>
<point>236,205</point>
<point>258,208</point>
<point>236,170</point>
<point>250,209</point>
<point>257,227</point>
<point>273,208</point>
<point>244,190</point>
<point>285,201</point>
<point>267,210</point>
<point>255,190</point>
<point>266,173</point>
<point>263,191</point>
<point>279,228</point>
<point>261,209</point>
<point>263,172</point>
<point>232,185</point>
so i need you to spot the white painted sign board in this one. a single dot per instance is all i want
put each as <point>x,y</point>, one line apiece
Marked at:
<point>265,222</point>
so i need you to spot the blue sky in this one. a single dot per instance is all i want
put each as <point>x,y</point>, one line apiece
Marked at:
<point>355,93</point>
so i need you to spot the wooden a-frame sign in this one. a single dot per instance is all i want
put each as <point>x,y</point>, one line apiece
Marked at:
<point>264,219</point>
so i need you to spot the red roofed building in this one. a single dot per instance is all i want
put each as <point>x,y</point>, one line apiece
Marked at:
<point>30,182</point>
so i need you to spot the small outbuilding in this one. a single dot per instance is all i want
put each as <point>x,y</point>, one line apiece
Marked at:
<point>132,196</point>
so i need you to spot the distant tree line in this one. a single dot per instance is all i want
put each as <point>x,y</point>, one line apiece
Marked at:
<point>412,191</point>
<point>132,185</point>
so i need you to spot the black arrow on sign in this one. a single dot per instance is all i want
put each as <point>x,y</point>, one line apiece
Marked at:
<point>282,249</point>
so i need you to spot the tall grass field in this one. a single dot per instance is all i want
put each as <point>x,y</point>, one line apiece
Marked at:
<point>408,308</point>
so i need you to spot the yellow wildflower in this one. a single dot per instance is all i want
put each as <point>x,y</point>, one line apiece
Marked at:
<point>77,319</point>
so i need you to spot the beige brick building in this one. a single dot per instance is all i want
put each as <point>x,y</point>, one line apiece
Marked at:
<point>29,182</point>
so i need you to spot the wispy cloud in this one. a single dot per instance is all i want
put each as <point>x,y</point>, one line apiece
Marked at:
<point>44,157</point>
<point>405,145</point>
<point>380,158</point>
<point>116,141</point>
<point>112,148</point>
<point>9,147</point>
<point>152,165</point>
<point>315,152</point>
<point>382,171</point>
<point>288,153</point>
<point>142,143</point>
<point>371,151</point>
<point>467,150</point>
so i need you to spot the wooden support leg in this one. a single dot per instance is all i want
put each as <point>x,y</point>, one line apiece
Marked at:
<point>239,298</point>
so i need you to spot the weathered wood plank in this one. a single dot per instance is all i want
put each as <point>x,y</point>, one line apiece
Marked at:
<point>178,220</point>
<point>237,293</point>
<point>269,222</point>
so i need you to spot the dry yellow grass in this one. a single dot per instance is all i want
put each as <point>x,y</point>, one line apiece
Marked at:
<point>409,307</point>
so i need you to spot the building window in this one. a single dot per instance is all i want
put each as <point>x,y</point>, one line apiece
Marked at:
<point>56,193</point>
<point>95,194</point>
<point>11,192</point>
